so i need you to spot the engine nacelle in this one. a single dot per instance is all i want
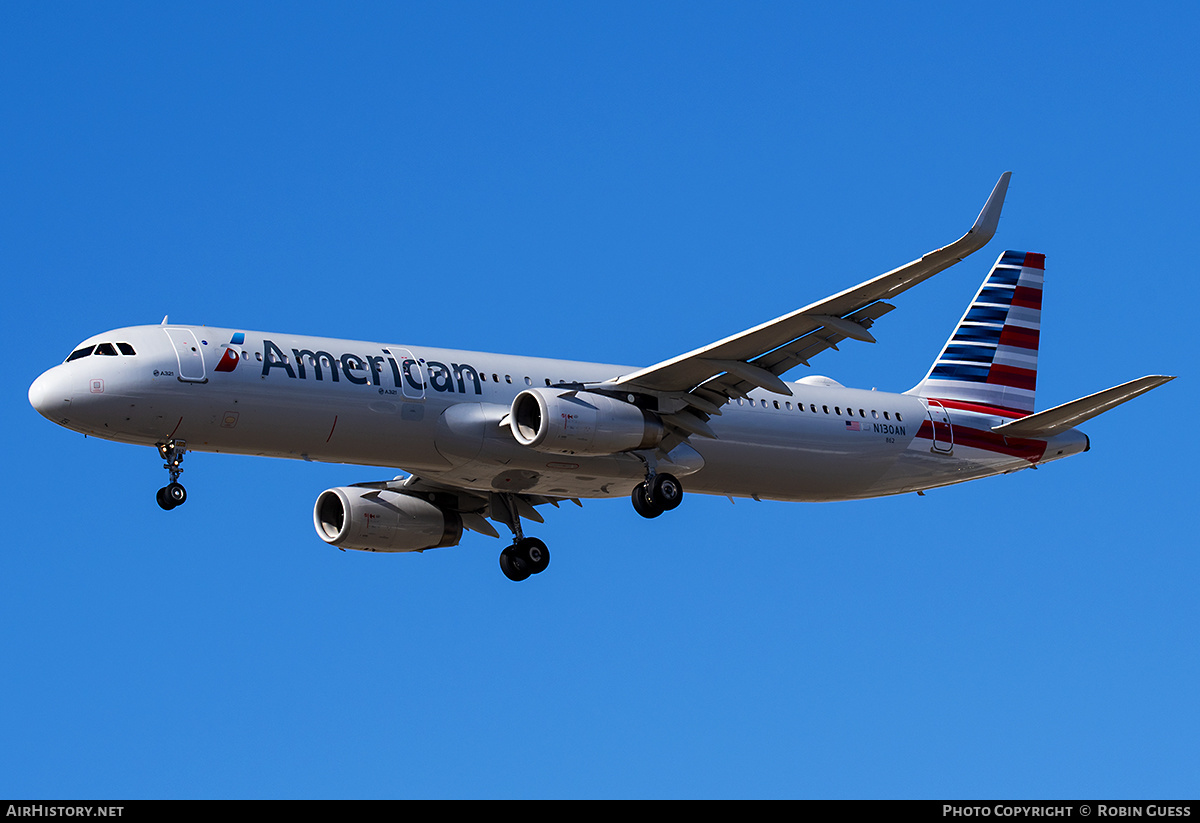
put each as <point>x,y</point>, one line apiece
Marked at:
<point>576,422</point>
<point>381,520</point>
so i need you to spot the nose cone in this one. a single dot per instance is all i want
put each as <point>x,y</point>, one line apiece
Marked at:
<point>50,395</point>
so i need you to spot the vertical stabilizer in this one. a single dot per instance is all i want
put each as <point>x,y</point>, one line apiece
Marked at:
<point>991,359</point>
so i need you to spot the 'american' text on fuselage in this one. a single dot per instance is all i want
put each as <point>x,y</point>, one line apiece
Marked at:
<point>369,370</point>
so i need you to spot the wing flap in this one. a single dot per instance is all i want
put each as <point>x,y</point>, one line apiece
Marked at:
<point>798,352</point>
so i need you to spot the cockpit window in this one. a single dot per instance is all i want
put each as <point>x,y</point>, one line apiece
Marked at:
<point>108,349</point>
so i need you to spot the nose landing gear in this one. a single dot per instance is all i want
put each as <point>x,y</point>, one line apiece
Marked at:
<point>173,494</point>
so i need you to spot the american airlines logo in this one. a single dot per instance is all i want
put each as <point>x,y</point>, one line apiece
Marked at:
<point>231,357</point>
<point>229,360</point>
<point>369,370</point>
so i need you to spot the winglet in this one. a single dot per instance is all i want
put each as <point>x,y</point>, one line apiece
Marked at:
<point>989,218</point>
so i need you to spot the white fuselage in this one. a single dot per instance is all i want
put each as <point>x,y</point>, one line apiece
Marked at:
<point>442,414</point>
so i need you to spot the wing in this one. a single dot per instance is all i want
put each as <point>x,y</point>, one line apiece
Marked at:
<point>708,377</point>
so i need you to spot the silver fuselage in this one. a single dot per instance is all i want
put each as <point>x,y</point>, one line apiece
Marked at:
<point>441,414</point>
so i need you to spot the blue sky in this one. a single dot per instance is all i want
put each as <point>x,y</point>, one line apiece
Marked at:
<point>621,183</point>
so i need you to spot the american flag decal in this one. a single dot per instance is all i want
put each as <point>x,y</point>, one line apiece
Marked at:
<point>853,426</point>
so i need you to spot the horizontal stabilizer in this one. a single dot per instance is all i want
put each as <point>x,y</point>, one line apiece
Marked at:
<point>1068,415</point>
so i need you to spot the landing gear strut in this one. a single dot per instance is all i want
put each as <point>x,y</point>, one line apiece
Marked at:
<point>657,494</point>
<point>526,555</point>
<point>173,494</point>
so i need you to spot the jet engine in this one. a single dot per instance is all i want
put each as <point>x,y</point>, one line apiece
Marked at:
<point>577,422</point>
<point>381,520</point>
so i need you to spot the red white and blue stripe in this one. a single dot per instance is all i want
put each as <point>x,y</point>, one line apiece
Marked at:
<point>989,364</point>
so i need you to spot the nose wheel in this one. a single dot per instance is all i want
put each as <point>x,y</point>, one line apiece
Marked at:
<point>173,494</point>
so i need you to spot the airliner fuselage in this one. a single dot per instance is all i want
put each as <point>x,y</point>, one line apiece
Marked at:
<point>440,413</point>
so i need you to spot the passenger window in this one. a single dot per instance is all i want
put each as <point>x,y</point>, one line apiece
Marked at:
<point>825,409</point>
<point>106,349</point>
<point>777,404</point>
<point>126,349</point>
<point>78,353</point>
<point>875,414</point>
<point>886,417</point>
<point>898,417</point>
<point>837,410</point>
<point>528,382</point>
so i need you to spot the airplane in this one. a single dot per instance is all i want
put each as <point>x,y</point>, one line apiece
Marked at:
<point>490,438</point>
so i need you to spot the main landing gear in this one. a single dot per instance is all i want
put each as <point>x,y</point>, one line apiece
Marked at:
<point>657,494</point>
<point>173,494</point>
<point>527,555</point>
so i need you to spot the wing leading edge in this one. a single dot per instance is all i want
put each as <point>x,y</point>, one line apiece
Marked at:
<point>708,377</point>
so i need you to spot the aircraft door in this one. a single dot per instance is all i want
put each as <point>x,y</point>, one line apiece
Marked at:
<point>943,429</point>
<point>187,354</point>
<point>412,374</point>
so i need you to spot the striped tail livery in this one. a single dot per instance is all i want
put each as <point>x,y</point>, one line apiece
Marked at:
<point>989,364</point>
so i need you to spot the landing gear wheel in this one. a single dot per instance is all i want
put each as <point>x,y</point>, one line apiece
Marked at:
<point>164,502</point>
<point>514,568</point>
<point>526,555</point>
<point>644,504</point>
<point>533,553</point>
<point>667,491</point>
<point>170,496</point>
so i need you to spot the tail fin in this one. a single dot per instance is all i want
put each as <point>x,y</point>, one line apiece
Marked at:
<point>991,359</point>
